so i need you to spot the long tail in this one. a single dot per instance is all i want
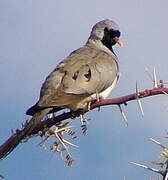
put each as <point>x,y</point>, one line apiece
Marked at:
<point>36,118</point>
<point>35,108</point>
<point>21,134</point>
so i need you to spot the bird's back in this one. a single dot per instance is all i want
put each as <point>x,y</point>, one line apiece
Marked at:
<point>84,72</point>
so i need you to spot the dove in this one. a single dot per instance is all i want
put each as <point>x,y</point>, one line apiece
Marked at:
<point>87,75</point>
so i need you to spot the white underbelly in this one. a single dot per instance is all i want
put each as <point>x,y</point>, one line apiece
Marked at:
<point>83,103</point>
<point>107,91</point>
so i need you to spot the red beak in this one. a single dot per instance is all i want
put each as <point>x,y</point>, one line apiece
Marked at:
<point>119,41</point>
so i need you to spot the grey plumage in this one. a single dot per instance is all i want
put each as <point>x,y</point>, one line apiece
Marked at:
<point>90,70</point>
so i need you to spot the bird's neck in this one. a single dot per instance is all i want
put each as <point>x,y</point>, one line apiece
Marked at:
<point>99,44</point>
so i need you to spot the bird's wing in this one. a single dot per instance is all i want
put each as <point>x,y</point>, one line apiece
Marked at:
<point>85,72</point>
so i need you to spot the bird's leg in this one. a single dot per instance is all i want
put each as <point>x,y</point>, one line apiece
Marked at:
<point>97,96</point>
<point>89,105</point>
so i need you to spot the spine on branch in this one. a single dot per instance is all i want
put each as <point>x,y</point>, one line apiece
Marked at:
<point>10,144</point>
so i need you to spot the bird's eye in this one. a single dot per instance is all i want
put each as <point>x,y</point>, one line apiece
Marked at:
<point>113,33</point>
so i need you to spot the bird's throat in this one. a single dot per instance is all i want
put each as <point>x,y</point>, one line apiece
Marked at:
<point>108,44</point>
<point>103,46</point>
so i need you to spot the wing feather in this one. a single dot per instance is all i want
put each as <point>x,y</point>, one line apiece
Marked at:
<point>82,73</point>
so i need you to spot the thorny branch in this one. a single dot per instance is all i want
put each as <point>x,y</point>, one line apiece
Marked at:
<point>162,162</point>
<point>105,102</point>
<point>7,146</point>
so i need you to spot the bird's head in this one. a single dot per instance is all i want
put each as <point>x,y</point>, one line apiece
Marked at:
<point>107,32</point>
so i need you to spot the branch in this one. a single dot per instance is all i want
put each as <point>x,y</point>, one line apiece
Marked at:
<point>8,145</point>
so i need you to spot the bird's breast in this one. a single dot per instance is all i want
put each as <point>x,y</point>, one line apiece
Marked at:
<point>83,103</point>
<point>104,94</point>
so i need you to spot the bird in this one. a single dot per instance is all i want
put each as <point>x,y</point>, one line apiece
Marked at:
<point>87,75</point>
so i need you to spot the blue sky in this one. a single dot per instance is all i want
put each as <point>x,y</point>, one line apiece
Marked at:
<point>34,36</point>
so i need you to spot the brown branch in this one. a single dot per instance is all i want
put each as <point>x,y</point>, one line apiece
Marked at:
<point>8,145</point>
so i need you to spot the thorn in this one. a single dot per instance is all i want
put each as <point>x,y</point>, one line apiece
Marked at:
<point>155,79</point>
<point>62,143</point>
<point>164,93</point>
<point>156,142</point>
<point>146,167</point>
<point>123,115</point>
<point>138,100</point>
<point>71,144</point>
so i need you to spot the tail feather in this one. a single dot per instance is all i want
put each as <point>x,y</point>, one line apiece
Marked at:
<point>37,117</point>
<point>35,108</point>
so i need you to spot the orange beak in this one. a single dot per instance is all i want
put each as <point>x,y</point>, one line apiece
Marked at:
<point>119,41</point>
